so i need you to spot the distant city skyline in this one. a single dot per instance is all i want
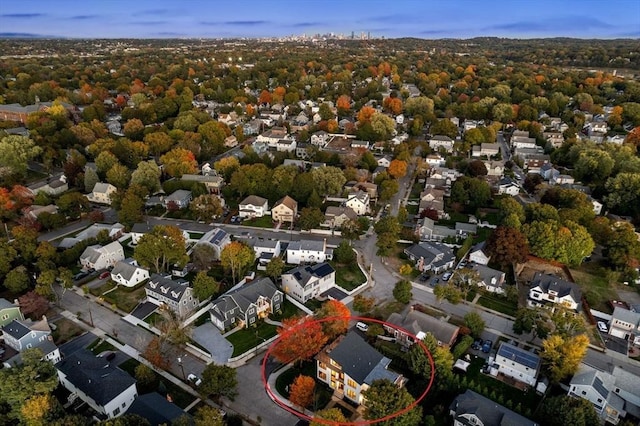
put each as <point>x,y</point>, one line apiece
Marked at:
<point>252,18</point>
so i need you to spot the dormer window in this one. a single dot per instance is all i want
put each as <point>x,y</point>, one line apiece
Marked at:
<point>174,294</point>
<point>165,290</point>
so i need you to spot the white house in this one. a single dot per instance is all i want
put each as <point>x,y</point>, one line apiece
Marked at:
<point>508,186</point>
<point>52,186</point>
<point>384,161</point>
<point>550,290</point>
<point>435,160</point>
<point>179,198</point>
<point>217,239</point>
<point>101,193</point>
<point>349,366</point>
<point>358,202</point>
<point>597,205</point>
<point>176,295</point>
<point>307,282</point>
<point>335,217</point>
<point>128,273</point>
<point>308,251</point>
<point>101,257</point>
<point>517,363</point>
<point>101,384</point>
<point>441,141</point>
<point>562,180</point>
<point>265,250</point>
<point>625,324</point>
<point>434,257</point>
<point>253,206</point>
<point>320,139</point>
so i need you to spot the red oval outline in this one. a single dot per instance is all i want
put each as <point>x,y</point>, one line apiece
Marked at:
<point>304,416</point>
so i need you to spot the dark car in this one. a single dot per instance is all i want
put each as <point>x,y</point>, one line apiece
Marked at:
<point>486,346</point>
<point>104,275</point>
<point>477,344</point>
<point>424,277</point>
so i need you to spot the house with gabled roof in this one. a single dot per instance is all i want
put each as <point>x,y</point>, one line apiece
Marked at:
<point>157,410</point>
<point>613,395</point>
<point>359,202</point>
<point>625,324</point>
<point>336,216</point>
<point>176,295</point>
<point>244,305</point>
<point>308,251</point>
<point>508,186</point>
<point>434,257</point>
<point>101,193</point>
<point>550,290</point>
<point>128,273</point>
<point>517,363</point>
<point>101,384</point>
<point>23,334</point>
<point>55,185</point>
<point>490,279</point>
<point>419,324</point>
<point>471,408</point>
<point>438,141</point>
<point>9,312</point>
<point>211,181</point>
<point>101,257</point>
<point>479,254</point>
<point>307,282</point>
<point>265,250</point>
<point>179,198</point>
<point>285,210</point>
<point>349,365</point>
<point>217,239</point>
<point>253,206</point>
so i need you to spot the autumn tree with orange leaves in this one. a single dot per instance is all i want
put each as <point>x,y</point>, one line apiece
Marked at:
<point>365,114</point>
<point>392,105</point>
<point>344,105</point>
<point>301,392</point>
<point>300,339</point>
<point>397,168</point>
<point>265,97</point>
<point>12,201</point>
<point>178,162</point>
<point>336,327</point>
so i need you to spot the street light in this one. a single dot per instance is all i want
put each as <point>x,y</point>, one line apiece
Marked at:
<point>181,368</point>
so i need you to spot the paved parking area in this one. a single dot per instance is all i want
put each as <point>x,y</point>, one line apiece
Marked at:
<point>615,343</point>
<point>208,336</point>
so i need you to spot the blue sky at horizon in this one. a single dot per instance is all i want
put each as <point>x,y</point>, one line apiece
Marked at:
<point>253,18</point>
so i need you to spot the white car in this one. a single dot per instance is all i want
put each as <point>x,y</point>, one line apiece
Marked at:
<point>602,326</point>
<point>446,276</point>
<point>362,326</point>
<point>197,381</point>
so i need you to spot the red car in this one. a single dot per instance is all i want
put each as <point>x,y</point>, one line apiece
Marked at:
<point>104,275</point>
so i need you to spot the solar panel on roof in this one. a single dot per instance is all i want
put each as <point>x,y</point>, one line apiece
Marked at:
<point>599,386</point>
<point>324,269</point>
<point>521,357</point>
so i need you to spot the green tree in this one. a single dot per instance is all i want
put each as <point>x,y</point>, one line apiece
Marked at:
<point>73,204</point>
<point>503,113</point>
<point>161,248</point>
<point>179,161</point>
<point>402,292</point>
<point>624,193</point>
<point>15,152</point>
<point>310,218</point>
<point>130,209</point>
<point>105,161</point>
<point>145,376</point>
<point>204,286</point>
<point>470,192</point>
<point>442,359</point>
<point>17,280</point>
<point>119,176</point>
<point>344,253</point>
<point>7,256</point>
<point>385,398</point>
<point>219,381</point>
<point>561,357</point>
<point>275,268</point>
<point>236,258</point>
<point>208,416</point>
<point>449,293</point>
<point>328,180</point>
<point>147,175</point>
<point>206,207</point>
<point>420,105</point>
<point>388,189</point>
<point>329,414</point>
<point>158,142</point>
<point>382,125</point>
<point>90,179</point>
<point>565,410</point>
<point>475,323</point>
<point>444,127</point>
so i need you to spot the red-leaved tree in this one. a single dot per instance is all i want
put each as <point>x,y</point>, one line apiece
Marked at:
<point>301,339</point>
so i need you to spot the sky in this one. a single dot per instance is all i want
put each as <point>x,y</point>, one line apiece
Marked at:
<point>432,19</point>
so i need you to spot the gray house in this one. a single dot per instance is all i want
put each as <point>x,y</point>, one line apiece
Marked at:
<point>180,198</point>
<point>177,295</point>
<point>246,304</point>
<point>26,334</point>
<point>471,408</point>
<point>434,257</point>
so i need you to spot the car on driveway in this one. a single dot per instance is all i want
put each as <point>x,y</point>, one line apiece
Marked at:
<point>446,276</point>
<point>195,380</point>
<point>424,277</point>
<point>477,344</point>
<point>486,346</point>
<point>602,326</point>
<point>104,275</point>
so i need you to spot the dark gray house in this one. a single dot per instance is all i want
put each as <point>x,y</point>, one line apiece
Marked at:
<point>471,408</point>
<point>246,304</point>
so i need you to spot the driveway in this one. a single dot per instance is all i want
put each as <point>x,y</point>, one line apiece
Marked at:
<point>208,336</point>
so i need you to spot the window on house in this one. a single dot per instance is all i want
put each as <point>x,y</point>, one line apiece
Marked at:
<point>351,393</point>
<point>124,404</point>
<point>5,316</point>
<point>351,383</point>
<point>116,411</point>
<point>252,320</point>
<point>322,375</point>
<point>28,345</point>
<point>584,392</point>
<point>599,399</point>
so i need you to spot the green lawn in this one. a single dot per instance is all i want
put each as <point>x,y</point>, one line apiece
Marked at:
<point>313,304</point>
<point>98,346</point>
<point>125,298</point>
<point>595,286</point>
<point>288,310</point>
<point>348,276</point>
<point>322,391</point>
<point>247,338</point>
<point>259,222</point>
<point>498,303</point>
<point>412,209</point>
<point>97,291</point>
<point>153,319</point>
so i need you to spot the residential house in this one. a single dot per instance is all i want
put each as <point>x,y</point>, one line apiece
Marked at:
<point>369,187</point>
<point>115,231</point>
<point>437,141</point>
<point>55,185</point>
<point>320,139</point>
<point>303,150</point>
<point>335,217</point>
<point>490,279</point>
<point>517,363</point>
<point>562,180</point>
<point>412,89</point>
<point>384,161</point>
<point>285,210</point>
<point>358,202</point>
<point>308,282</point>
<point>246,304</point>
<point>508,186</point>
<point>35,210</point>
<point>469,124</point>
<point>102,193</point>
<point>478,254</point>
<point>101,384</point>
<point>485,149</point>
<point>625,324</point>
<point>597,205</point>
<point>523,142</point>
<point>265,250</point>
<point>613,395</point>
<point>556,139</point>
<point>471,408</point>
<point>546,289</point>
<point>176,295</point>
<point>548,171</point>
<point>253,206</point>
<point>429,231</point>
<point>308,251</point>
<point>272,136</point>
<point>252,127</point>
<point>349,365</point>
<point>435,160</point>
<point>286,145</point>
<point>9,312</point>
<point>534,162</point>
<point>21,334</point>
<point>494,168</point>
<point>101,257</point>
<point>157,410</point>
<point>597,128</point>
<point>358,144</point>
<point>178,199</point>
<point>128,273</point>
<point>432,199</point>
<point>211,181</point>
<point>228,119</point>
<point>217,239</point>
<point>434,257</point>
<point>419,324</point>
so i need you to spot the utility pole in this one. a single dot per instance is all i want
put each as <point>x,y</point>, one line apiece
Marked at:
<point>181,368</point>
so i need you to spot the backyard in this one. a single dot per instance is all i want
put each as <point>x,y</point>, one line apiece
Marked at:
<point>322,392</point>
<point>348,276</point>
<point>595,286</point>
<point>65,331</point>
<point>497,303</point>
<point>247,338</point>
<point>259,222</point>
<point>124,298</point>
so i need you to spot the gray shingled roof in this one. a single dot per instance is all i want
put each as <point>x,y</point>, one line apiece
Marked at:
<point>245,295</point>
<point>416,322</point>
<point>626,315</point>
<point>303,274</point>
<point>165,286</point>
<point>125,268</point>
<point>16,329</point>
<point>4,304</point>
<point>155,408</point>
<point>357,358</point>
<point>488,412</point>
<point>94,376</point>
<point>254,200</point>
<point>551,282</point>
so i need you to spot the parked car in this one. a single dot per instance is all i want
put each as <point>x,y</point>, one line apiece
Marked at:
<point>424,277</point>
<point>104,275</point>
<point>446,276</point>
<point>477,344</point>
<point>435,281</point>
<point>195,380</point>
<point>80,275</point>
<point>486,346</point>
<point>362,326</point>
<point>602,326</point>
